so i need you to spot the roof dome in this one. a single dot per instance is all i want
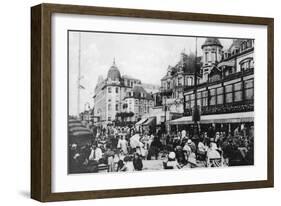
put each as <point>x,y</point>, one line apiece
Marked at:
<point>211,42</point>
<point>113,72</point>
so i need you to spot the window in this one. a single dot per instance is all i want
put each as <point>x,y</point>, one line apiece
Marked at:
<point>249,44</point>
<point>116,107</point>
<point>220,95</point>
<point>191,81</point>
<point>116,90</point>
<point>249,89</point>
<point>243,46</point>
<point>109,90</point>
<point>109,118</point>
<point>213,57</point>
<point>228,93</point>
<point>213,97</point>
<point>192,102</point>
<point>199,98</point>
<point>205,98</point>
<point>180,81</point>
<point>246,64</point>
<point>109,107</point>
<point>238,92</point>
<point>189,101</point>
<point>206,57</point>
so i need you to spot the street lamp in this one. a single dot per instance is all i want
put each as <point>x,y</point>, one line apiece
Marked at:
<point>196,112</point>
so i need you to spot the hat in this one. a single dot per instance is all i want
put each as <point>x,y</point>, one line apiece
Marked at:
<point>172,155</point>
<point>74,146</point>
<point>213,146</point>
<point>178,147</point>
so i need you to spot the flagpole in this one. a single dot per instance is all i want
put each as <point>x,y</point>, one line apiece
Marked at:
<point>195,112</point>
<point>79,76</point>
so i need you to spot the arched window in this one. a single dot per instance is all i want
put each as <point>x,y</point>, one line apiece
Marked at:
<point>246,64</point>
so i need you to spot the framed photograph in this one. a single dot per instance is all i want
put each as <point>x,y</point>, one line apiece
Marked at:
<point>130,102</point>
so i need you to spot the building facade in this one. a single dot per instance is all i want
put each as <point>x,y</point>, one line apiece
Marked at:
<point>227,87</point>
<point>120,98</point>
<point>176,79</point>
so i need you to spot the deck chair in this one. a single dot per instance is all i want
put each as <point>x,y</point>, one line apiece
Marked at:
<point>215,162</point>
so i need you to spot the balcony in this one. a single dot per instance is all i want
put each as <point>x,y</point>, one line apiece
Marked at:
<point>244,106</point>
<point>166,92</point>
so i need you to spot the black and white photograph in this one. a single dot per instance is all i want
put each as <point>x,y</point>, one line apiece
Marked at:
<point>142,102</point>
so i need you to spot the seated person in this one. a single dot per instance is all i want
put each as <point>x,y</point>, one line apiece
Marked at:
<point>171,163</point>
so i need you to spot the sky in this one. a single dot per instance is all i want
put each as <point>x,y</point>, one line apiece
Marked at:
<point>145,57</point>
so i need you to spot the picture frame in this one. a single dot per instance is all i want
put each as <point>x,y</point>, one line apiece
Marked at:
<point>41,101</point>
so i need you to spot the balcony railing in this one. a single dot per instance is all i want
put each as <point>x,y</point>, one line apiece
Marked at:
<point>228,108</point>
<point>245,106</point>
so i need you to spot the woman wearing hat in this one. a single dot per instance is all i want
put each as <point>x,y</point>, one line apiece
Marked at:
<point>171,163</point>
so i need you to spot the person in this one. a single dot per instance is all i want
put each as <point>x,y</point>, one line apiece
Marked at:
<point>123,145</point>
<point>180,156</point>
<point>110,158</point>
<point>137,162</point>
<point>187,149</point>
<point>171,162</point>
<point>96,153</point>
<point>154,148</point>
<point>191,150</point>
<point>212,153</point>
<point>201,150</point>
<point>122,167</point>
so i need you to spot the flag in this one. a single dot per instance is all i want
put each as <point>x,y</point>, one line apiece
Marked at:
<point>81,87</point>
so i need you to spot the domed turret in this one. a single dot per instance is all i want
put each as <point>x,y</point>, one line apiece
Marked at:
<point>113,72</point>
<point>211,42</point>
<point>212,51</point>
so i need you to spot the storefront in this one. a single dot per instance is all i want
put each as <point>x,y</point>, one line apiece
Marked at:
<point>220,122</point>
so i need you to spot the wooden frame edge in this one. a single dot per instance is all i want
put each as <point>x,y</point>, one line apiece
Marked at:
<point>41,101</point>
<point>36,139</point>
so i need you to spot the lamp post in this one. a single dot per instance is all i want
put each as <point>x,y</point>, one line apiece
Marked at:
<point>165,112</point>
<point>195,113</point>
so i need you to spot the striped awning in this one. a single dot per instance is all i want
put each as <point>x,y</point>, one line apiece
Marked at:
<point>76,128</point>
<point>141,121</point>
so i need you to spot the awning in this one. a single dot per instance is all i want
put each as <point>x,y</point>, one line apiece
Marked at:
<point>74,129</point>
<point>240,117</point>
<point>150,121</point>
<point>182,120</point>
<point>228,64</point>
<point>141,122</point>
<point>228,118</point>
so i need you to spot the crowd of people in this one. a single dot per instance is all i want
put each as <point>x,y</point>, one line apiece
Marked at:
<point>121,149</point>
